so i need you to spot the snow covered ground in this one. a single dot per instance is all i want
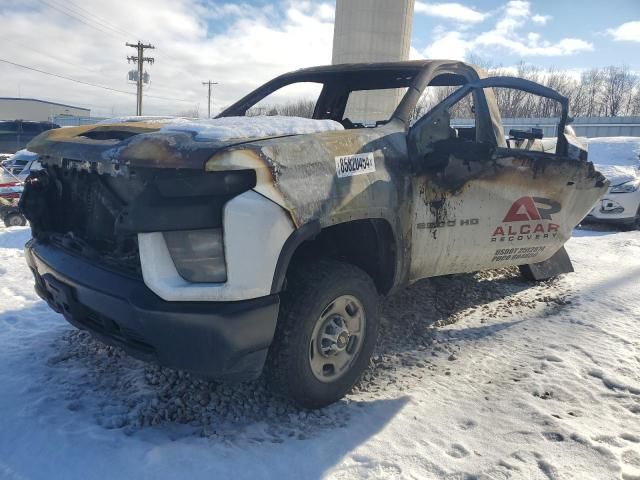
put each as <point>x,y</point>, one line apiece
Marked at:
<point>617,158</point>
<point>476,377</point>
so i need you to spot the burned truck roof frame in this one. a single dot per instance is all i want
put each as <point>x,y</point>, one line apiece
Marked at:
<point>416,76</point>
<point>340,80</point>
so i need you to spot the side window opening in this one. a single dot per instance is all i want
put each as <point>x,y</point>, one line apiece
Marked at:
<point>434,95</point>
<point>338,93</point>
<point>530,121</point>
<point>293,100</point>
<point>438,134</point>
<point>370,108</point>
<point>460,116</point>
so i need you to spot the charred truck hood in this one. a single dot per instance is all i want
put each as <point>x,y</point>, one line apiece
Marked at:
<point>117,149</point>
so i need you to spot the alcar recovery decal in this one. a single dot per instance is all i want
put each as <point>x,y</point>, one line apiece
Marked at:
<point>350,165</point>
<point>528,219</point>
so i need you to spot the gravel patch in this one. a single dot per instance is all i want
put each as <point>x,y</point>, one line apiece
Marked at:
<point>136,395</point>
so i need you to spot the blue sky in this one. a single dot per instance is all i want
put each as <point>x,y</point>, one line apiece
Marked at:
<point>241,44</point>
<point>588,20</point>
<point>591,21</point>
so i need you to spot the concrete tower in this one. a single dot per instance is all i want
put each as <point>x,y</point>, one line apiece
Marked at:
<point>372,31</point>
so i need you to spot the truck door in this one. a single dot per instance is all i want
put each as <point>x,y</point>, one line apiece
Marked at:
<point>481,202</point>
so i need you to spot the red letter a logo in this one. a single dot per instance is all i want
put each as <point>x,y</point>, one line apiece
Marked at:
<point>522,210</point>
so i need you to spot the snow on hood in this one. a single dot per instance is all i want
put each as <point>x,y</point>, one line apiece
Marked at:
<point>617,158</point>
<point>227,128</point>
<point>144,118</point>
<point>23,154</point>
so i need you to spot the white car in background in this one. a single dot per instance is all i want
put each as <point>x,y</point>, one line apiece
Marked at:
<point>13,173</point>
<point>19,165</point>
<point>618,159</point>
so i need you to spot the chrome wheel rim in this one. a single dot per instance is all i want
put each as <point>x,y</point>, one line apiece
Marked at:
<point>337,338</point>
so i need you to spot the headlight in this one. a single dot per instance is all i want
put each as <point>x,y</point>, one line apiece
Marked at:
<point>627,187</point>
<point>198,254</point>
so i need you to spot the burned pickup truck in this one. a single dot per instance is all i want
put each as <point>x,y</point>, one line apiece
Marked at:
<point>242,244</point>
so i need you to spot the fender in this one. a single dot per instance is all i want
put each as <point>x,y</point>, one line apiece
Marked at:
<point>307,232</point>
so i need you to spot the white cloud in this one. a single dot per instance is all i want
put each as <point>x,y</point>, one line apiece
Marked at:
<point>451,11</point>
<point>533,38</point>
<point>451,46</point>
<point>517,8</point>
<point>628,32</point>
<point>236,45</point>
<point>326,12</point>
<point>515,16</point>
<point>217,11</point>
<point>541,19</point>
<point>505,35</point>
<point>415,54</point>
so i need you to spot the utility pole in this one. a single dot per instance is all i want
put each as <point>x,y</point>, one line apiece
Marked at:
<point>209,83</point>
<point>140,59</point>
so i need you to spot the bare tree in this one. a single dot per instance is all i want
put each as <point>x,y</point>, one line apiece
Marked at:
<point>193,112</point>
<point>593,82</point>
<point>578,99</point>
<point>294,108</point>
<point>596,92</point>
<point>618,84</point>
<point>299,108</point>
<point>635,103</point>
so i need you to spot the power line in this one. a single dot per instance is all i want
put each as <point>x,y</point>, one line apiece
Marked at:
<point>95,22</point>
<point>98,19</point>
<point>59,9</point>
<point>89,84</point>
<point>48,55</point>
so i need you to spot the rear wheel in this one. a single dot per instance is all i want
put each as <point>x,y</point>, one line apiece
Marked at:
<point>327,329</point>
<point>15,220</point>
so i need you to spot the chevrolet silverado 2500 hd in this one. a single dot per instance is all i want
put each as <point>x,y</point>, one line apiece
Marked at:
<point>242,244</point>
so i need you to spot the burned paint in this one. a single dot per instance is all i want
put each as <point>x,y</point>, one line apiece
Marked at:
<point>285,167</point>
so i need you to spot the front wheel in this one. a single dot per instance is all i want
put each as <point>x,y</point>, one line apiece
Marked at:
<point>15,220</point>
<point>327,330</point>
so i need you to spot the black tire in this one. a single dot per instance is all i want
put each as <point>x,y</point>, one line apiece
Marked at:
<point>15,220</point>
<point>311,291</point>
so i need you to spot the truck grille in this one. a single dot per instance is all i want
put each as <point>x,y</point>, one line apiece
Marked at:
<point>99,216</point>
<point>83,214</point>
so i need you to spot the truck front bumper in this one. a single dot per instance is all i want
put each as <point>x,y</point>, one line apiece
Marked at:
<point>215,340</point>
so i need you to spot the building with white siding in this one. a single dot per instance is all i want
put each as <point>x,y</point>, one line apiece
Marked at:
<point>39,110</point>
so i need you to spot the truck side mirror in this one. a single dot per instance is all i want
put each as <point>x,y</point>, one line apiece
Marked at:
<point>428,130</point>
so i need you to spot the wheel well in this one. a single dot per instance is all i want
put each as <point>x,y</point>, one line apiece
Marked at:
<point>368,244</point>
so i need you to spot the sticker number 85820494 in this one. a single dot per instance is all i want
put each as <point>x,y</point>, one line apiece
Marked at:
<point>350,165</point>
